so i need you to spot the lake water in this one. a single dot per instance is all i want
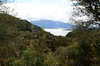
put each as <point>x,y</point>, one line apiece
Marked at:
<point>58,32</point>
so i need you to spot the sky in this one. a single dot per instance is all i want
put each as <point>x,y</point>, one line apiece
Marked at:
<point>57,10</point>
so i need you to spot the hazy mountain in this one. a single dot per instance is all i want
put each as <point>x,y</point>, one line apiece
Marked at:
<point>51,24</point>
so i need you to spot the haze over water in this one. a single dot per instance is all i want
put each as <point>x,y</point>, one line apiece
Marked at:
<point>58,32</point>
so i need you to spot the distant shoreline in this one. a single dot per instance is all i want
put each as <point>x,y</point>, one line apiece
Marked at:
<point>58,31</point>
<point>61,28</point>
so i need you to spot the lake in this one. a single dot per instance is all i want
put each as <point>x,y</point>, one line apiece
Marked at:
<point>59,31</point>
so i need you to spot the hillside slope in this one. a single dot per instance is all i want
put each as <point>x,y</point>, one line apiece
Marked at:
<point>21,25</point>
<point>16,36</point>
<point>24,44</point>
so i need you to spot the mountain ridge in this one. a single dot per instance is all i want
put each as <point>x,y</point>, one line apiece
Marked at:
<point>51,24</point>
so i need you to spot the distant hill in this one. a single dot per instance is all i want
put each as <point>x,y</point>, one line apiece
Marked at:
<point>51,24</point>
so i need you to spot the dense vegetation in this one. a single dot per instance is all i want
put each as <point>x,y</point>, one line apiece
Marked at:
<point>24,44</point>
<point>20,36</point>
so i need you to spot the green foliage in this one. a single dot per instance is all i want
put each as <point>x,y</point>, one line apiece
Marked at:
<point>51,60</point>
<point>24,44</point>
<point>68,55</point>
<point>88,49</point>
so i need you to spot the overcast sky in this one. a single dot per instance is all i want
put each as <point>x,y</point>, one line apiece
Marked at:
<point>58,10</point>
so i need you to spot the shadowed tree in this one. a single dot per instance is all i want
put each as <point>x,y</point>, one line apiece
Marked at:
<point>89,8</point>
<point>4,8</point>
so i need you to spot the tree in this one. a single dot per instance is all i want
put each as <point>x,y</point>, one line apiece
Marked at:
<point>3,8</point>
<point>89,8</point>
